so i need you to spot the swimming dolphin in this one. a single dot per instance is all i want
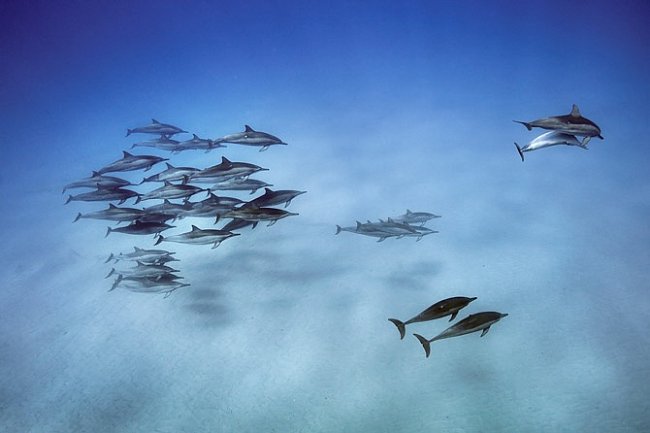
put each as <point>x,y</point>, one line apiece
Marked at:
<point>225,170</point>
<point>156,128</point>
<point>162,143</point>
<point>113,213</point>
<point>197,143</point>
<point>551,138</point>
<point>199,236</point>
<point>98,181</point>
<point>131,162</point>
<point>256,214</point>
<point>472,323</point>
<point>272,198</point>
<point>366,230</point>
<point>415,217</point>
<point>141,228</point>
<point>250,137</point>
<point>143,270</point>
<point>168,208</point>
<point>140,254</point>
<point>236,224</point>
<point>446,307</point>
<point>165,284</point>
<point>572,123</point>
<point>104,194</point>
<point>171,191</point>
<point>240,184</point>
<point>171,174</point>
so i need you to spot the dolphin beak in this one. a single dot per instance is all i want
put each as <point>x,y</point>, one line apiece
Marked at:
<point>504,315</point>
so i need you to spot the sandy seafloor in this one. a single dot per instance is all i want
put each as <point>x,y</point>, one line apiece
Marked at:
<point>284,328</point>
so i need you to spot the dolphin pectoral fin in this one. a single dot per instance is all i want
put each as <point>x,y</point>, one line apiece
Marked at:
<point>521,154</point>
<point>401,327</point>
<point>216,244</point>
<point>526,124</point>
<point>117,281</point>
<point>109,258</point>
<point>600,136</point>
<point>160,239</point>
<point>485,331</point>
<point>381,239</point>
<point>425,344</point>
<point>77,219</point>
<point>108,231</point>
<point>110,273</point>
<point>453,315</point>
<point>255,224</point>
<point>271,223</point>
<point>584,143</point>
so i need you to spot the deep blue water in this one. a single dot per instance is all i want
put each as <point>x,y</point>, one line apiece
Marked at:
<point>384,107</point>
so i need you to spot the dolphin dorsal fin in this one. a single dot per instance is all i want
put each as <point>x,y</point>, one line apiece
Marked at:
<point>137,249</point>
<point>268,190</point>
<point>112,206</point>
<point>225,160</point>
<point>126,154</point>
<point>168,183</point>
<point>195,228</point>
<point>408,212</point>
<point>390,220</point>
<point>575,111</point>
<point>154,121</point>
<point>167,202</point>
<point>196,137</point>
<point>95,174</point>
<point>247,128</point>
<point>169,166</point>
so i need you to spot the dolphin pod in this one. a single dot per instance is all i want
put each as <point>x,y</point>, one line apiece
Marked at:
<point>396,227</point>
<point>151,275</point>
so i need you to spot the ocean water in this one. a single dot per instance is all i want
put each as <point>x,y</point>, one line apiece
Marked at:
<point>385,107</point>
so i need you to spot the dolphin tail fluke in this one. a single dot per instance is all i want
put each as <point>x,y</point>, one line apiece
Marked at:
<point>425,343</point>
<point>521,154</point>
<point>110,273</point>
<point>109,258</point>
<point>526,124</point>
<point>108,231</point>
<point>400,327</point>
<point>338,229</point>
<point>117,281</point>
<point>128,132</point>
<point>69,199</point>
<point>77,219</point>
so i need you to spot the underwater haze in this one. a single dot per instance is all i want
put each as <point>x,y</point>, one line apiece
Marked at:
<point>385,106</point>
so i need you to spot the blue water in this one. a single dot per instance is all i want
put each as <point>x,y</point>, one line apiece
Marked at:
<point>385,106</point>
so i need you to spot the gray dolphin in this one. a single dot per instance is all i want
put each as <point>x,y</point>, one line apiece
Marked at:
<point>131,162</point>
<point>156,128</point>
<point>141,228</point>
<point>272,198</point>
<point>98,181</point>
<point>472,323</point>
<point>250,137</point>
<point>199,236</point>
<point>168,208</point>
<point>236,224</point>
<point>551,138</point>
<point>366,230</point>
<point>144,270</point>
<point>165,284</point>
<point>113,213</point>
<point>171,174</point>
<point>256,214</point>
<point>140,254</point>
<point>225,170</point>
<point>240,184</point>
<point>197,143</point>
<point>415,217</point>
<point>572,123</point>
<point>171,191</point>
<point>163,143</point>
<point>446,307</point>
<point>104,194</point>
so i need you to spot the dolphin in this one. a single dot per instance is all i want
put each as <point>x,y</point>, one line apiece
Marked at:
<point>168,208</point>
<point>197,143</point>
<point>199,236</point>
<point>472,323</point>
<point>171,191</point>
<point>131,162</point>
<point>240,184</point>
<point>272,198</point>
<point>572,123</point>
<point>163,143</point>
<point>250,137</point>
<point>366,230</point>
<point>236,224</point>
<point>165,284</point>
<point>446,307</point>
<point>143,270</point>
<point>223,200</point>
<point>98,181</point>
<point>171,174</point>
<point>415,217</point>
<point>551,138</point>
<point>141,228</point>
<point>156,128</point>
<point>206,208</point>
<point>225,170</point>
<point>113,213</point>
<point>142,255</point>
<point>256,214</point>
<point>104,194</point>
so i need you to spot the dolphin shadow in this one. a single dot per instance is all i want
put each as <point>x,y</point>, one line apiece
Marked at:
<point>414,276</point>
